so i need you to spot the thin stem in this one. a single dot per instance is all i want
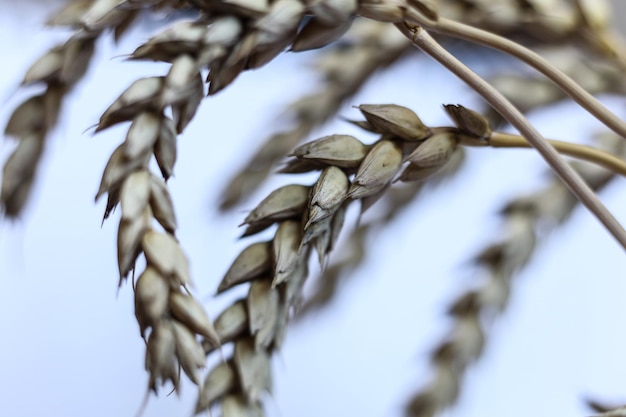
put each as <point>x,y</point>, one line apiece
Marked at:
<point>575,150</point>
<point>568,85</point>
<point>586,153</point>
<point>572,180</point>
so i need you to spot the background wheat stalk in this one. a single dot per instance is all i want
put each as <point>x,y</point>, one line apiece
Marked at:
<point>230,38</point>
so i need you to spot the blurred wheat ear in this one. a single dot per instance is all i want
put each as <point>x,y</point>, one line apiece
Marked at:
<point>212,42</point>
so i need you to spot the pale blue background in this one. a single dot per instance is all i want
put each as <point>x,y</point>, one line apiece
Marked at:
<point>69,345</point>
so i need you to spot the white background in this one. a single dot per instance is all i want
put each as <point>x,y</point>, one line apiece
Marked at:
<point>69,344</point>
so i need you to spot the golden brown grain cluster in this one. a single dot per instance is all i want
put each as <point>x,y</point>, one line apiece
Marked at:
<point>360,37</point>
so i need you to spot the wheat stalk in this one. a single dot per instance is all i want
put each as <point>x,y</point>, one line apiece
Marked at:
<point>595,75</point>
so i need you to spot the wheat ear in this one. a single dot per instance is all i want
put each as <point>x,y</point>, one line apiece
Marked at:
<point>58,70</point>
<point>163,303</point>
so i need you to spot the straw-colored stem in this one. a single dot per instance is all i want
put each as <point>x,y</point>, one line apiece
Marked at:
<point>575,150</point>
<point>577,186</point>
<point>586,153</point>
